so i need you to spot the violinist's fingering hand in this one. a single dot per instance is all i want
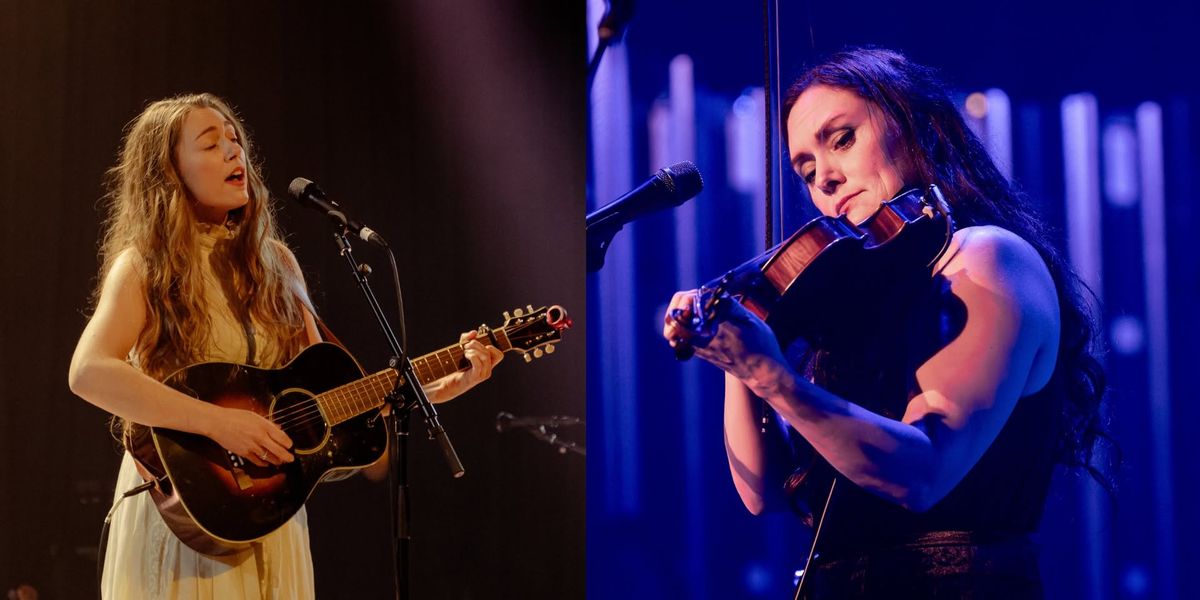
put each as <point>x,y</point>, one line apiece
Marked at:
<point>680,318</point>
<point>741,344</point>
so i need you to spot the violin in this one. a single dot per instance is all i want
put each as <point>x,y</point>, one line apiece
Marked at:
<point>829,271</point>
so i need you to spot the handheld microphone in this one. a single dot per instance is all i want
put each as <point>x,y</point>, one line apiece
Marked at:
<point>506,421</point>
<point>308,194</point>
<point>670,187</point>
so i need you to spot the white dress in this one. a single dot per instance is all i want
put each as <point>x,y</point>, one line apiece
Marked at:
<point>144,560</point>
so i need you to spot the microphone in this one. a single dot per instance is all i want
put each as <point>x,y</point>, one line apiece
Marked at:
<point>308,194</point>
<point>670,187</point>
<point>506,421</point>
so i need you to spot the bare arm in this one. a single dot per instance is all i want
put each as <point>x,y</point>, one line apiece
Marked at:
<point>482,358</point>
<point>100,374</point>
<point>759,461</point>
<point>969,387</point>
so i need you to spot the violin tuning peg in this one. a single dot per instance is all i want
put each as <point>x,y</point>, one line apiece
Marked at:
<point>537,353</point>
<point>518,312</point>
<point>528,358</point>
<point>550,349</point>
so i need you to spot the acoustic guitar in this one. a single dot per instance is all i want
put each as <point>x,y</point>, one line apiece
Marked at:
<point>216,502</point>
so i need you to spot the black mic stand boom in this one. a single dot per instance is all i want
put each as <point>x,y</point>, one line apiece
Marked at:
<point>403,398</point>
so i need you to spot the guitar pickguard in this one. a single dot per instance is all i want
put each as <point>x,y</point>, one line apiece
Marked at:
<point>236,500</point>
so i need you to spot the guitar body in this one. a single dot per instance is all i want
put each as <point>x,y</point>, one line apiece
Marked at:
<point>217,502</point>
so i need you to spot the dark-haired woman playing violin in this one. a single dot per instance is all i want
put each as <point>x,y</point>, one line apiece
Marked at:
<point>943,425</point>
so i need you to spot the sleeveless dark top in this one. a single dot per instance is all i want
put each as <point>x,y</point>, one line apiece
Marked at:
<point>975,539</point>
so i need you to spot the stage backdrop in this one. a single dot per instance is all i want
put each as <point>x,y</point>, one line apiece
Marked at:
<point>1089,107</point>
<point>453,128</point>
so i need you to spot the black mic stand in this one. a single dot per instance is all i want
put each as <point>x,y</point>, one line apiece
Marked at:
<point>599,238</point>
<point>611,27</point>
<point>402,399</point>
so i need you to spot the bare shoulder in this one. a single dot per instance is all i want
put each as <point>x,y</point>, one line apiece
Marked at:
<point>298,286</point>
<point>128,268</point>
<point>997,258</point>
<point>998,270</point>
<point>288,259</point>
<point>121,310</point>
<point>280,248</point>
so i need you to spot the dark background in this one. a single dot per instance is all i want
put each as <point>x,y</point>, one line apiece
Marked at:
<point>453,128</point>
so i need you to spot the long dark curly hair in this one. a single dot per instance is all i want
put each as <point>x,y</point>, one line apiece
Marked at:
<point>944,151</point>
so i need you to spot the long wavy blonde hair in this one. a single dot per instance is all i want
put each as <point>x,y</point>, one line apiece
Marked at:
<point>150,213</point>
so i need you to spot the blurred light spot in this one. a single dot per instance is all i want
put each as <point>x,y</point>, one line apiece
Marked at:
<point>1120,163</point>
<point>745,105</point>
<point>1136,581</point>
<point>758,578</point>
<point>744,141</point>
<point>1128,335</point>
<point>977,105</point>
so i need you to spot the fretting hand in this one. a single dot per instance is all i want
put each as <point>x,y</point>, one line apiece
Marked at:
<point>740,344</point>
<point>482,358</point>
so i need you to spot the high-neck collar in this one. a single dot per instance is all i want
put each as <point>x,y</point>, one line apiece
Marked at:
<point>211,233</point>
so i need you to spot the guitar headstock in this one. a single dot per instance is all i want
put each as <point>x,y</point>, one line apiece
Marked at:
<point>533,332</point>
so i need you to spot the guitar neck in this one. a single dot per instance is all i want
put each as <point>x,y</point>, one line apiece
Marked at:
<point>451,359</point>
<point>357,397</point>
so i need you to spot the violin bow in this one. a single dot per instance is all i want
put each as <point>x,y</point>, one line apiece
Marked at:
<point>775,153</point>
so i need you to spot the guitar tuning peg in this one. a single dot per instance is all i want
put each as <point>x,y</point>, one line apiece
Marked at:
<point>529,307</point>
<point>537,353</point>
<point>527,357</point>
<point>550,349</point>
<point>507,316</point>
<point>518,312</point>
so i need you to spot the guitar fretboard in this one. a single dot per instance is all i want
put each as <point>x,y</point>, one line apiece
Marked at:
<point>451,359</point>
<point>357,397</point>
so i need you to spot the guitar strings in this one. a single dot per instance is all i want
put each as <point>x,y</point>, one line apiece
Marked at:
<point>311,413</point>
<point>309,410</point>
<point>456,352</point>
<point>289,412</point>
<point>299,409</point>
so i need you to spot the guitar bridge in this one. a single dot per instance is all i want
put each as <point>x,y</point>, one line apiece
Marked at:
<point>236,463</point>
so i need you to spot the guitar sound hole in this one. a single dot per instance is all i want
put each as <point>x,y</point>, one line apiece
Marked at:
<point>296,412</point>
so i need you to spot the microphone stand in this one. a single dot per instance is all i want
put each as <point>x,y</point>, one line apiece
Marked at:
<point>405,396</point>
<point>599,233</point>
<point>611,27</point>
<point>563,446</point>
